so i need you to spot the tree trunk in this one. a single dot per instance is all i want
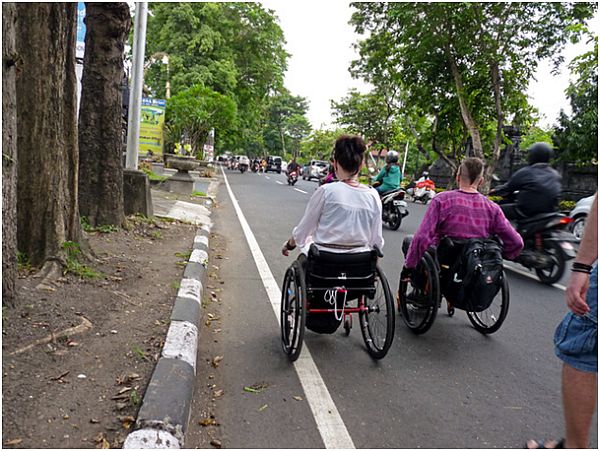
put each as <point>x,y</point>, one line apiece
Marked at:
<point>48,214</point>
<point>100,114</point>
<point>491,166</point>
<point>9,155</point>
<point>464,108</point>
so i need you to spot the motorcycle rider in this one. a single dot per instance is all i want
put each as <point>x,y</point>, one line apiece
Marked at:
<point>390,176</point>
<point>538,185</point>
<point>292,166</point>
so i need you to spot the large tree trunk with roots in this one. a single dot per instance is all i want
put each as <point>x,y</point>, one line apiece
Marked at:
<point>9,155</point>
<point>100,138</point>
<point>48,214</point>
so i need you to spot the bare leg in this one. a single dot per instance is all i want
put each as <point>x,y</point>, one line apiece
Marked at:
<point>579,390</point>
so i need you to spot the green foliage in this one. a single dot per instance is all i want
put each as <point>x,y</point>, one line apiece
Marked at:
<point>73,264</point>
<point>234,49</point>
<point>536,134</point>
<point>104,228</point>
<point>185,255</point>
<point>452,71</point>
<point>286,124</point>
<point>319,144</point>
<point>566,205</point>
<point>193,112</point>
<point>23,261</point>
<point>576,136</point>
<point>198,194</point>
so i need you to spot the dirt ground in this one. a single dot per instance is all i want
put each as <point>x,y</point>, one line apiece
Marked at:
<point>77,357</point>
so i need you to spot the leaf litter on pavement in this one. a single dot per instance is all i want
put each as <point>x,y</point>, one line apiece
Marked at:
<point>256,388</point>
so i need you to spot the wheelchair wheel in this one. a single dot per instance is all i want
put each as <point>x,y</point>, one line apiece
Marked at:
<point>378,323</point>
<point>489,320</point>
<point>419,304</point>
<point>293,311</point>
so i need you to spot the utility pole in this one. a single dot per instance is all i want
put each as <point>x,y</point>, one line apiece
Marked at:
<point>405,155</point>
<point>137,83</point>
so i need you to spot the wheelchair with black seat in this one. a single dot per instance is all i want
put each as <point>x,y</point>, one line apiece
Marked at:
<point>322,290</point>
<point>442,272</point>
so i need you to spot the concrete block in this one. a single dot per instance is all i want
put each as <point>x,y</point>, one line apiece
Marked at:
<point>168,398</point>
<point>181,342</point>
<point>186,310</point>
<point>190,289</point>
<point>137,197</point>
<point>194,271</point>
<point>151,439</point>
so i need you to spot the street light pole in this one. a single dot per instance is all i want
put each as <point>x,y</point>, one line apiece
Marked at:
<point>137,83</point>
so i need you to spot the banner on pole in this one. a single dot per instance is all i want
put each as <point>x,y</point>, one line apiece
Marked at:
<point>152,122</point>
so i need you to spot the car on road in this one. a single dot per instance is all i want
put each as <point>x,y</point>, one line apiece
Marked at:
<point>314,169</point>
<point>579,215</point>
<point>274,164</point>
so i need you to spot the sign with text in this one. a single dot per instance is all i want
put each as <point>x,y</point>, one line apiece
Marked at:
<point>152,122</point>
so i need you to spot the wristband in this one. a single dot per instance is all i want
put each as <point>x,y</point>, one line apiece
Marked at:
<point>581,267</point>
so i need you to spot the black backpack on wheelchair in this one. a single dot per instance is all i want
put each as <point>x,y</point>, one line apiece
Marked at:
<point>471,272</point>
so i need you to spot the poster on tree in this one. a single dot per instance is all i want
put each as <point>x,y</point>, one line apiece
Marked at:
<point>152,123</point>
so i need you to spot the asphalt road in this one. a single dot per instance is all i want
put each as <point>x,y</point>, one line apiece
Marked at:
<point>449,388</point>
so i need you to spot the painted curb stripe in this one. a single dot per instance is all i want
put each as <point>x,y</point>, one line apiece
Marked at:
<point>329,422</point>
<point>201,239</point>
<point>199,256</point>
<point>150,439</point>
<point>190,289</point>
<point>182,342</point>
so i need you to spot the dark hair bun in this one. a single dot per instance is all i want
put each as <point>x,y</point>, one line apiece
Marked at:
<point>349,152</point>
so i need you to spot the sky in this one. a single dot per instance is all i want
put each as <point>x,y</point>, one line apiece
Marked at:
<point>320,40</point>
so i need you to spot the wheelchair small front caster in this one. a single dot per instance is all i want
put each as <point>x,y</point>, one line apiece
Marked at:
<point>348,324</point>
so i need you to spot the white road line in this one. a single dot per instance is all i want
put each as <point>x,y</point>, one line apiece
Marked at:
<point>329,422</point>
<point>297,189</point>
<point>531,276</point>
<point>281,183</point>
<point>266,176</point>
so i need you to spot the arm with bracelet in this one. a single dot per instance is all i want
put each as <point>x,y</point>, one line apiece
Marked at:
<point>582,267</point>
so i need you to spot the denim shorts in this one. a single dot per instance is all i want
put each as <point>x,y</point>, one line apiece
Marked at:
<point>576,337</point>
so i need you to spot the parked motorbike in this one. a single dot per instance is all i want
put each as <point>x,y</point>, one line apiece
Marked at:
<point>292,177</point>
<point>243,167</point>
<point>547,244</point>
<point>255,166</point>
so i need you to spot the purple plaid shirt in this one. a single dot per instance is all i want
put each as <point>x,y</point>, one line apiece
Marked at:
<point>461,215</point>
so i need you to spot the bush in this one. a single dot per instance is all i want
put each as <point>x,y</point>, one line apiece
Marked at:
<point>566,205</point>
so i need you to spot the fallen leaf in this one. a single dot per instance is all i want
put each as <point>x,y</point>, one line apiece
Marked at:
<point>256,388</point>
<point>99,437</point>
<point>105,444</point>
<point>126,421</point>
<point>215,361</point>
<point>218,393</point>
<point>124,390</point>
<point>12,442</point>
<point>263,407</point>
<point>72,343</point>
<point>208,422</point>
<point>216,443</point>
<point>94,421</point>
<point>297,398</point>
<point>121,405</point>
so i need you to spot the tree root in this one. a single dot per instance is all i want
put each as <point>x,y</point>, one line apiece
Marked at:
<point>50,272</point>
<point>83,327</point>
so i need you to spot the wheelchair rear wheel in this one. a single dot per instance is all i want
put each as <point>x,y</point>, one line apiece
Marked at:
<point>489,320</point>
<point>378,323</point>
<point>293,311</point>
<point>419,304</point>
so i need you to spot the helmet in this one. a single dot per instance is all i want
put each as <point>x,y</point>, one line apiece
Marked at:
<point>391,157</point>
<point>425,174</point>
<point>540,152</point>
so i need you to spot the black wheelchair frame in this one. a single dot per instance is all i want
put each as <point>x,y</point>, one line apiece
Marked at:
<point>420,297</point>
<point>326,271</point>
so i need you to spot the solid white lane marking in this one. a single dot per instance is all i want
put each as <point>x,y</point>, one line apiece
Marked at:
<point>531,276</point>
<point>266,176</point>
<point>329,422</point>
<point>281,183</point>
<point>297,189</point>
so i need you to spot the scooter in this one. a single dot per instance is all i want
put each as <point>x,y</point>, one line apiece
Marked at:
<point>394,208</point>
<point>547,244</point>
<point>423,191</point>
<point>292,178</point>
<point>243,167</point>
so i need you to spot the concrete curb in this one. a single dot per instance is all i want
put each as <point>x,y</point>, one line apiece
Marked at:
<point>164,416</point>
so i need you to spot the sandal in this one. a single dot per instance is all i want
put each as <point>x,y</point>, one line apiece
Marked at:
<point>541,444</point>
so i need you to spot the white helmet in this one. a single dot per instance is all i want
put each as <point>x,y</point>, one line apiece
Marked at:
<point>391,157</point>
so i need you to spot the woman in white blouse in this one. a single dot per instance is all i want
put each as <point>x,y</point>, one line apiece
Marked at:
<point>345,216</point>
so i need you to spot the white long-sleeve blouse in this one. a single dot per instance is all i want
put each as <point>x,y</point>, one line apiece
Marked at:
<point>343,215</point>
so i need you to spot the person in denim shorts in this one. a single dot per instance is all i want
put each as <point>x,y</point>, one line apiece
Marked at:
<point>576,343</point>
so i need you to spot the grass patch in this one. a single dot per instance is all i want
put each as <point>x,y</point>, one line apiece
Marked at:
<point>105,228</point>
<point>73,263</point>
<point>138,352</point>
<point>176,285</point>
<point>134,398</point>
<point>198,194</point>
<point>156,236</point>
<point>185,255</point>
<point>23,261</point>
